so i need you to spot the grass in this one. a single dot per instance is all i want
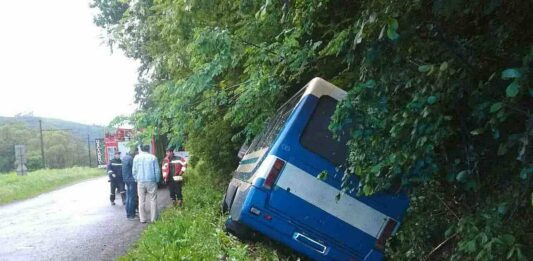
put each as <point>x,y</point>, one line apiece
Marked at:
<point>194,232</point>
<point>13,187</point>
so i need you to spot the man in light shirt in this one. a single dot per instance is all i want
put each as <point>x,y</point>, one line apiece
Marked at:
<point>147,175</point>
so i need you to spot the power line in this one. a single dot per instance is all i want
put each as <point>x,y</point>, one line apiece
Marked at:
<point>57,129</point>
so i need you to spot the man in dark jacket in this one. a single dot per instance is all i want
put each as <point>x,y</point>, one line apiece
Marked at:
<point>131,186</point>
<point>114,170</point>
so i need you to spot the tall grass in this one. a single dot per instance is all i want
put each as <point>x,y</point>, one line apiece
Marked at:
<point>194,231</point>
<point>13,187</point>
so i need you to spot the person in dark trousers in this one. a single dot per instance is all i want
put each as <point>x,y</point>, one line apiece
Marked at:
<point>172,169</point>
<point>132,199</point>
<point>114,170</point>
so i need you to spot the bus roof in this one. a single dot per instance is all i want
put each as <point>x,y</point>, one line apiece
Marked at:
<point>319,87</point>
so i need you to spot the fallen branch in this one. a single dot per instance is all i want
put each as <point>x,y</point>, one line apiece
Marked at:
<point>444,203</point>
<point>439,246</point>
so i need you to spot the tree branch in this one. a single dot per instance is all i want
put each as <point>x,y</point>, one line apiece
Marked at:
<point>439,246</point>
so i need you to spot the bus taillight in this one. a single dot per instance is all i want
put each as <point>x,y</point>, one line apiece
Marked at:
<point>274,173</point>
<point>386,233</point>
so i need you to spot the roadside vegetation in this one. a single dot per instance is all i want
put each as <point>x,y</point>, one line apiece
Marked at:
<point>194,231</point>
<point>63,149</point>
<point>440,100</point>
<point>13,187</point>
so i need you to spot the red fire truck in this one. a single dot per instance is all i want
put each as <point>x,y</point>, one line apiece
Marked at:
<point>113,142</point>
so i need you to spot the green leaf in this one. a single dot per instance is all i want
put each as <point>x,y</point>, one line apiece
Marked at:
<point>369,84</point>
<point>477,131</point>
<point>502,149</point>
<point>519,255</point>
<point>508,239</point>
<point>450,177</point>
<point>367,190</point>
<point>392,28</point>
<point>510,254</point>
<point>322,175</point>
<point>512,89</point>
<point>462,176</point>
<point>432,99</point>
<point>511,73</point>
<point>524,173</point>
<point>502,209</point>
<point>471,185</point>
<point>443,66</point>
<point>424,68</point>
<point>495,134</point>
<point>484,238</point>
<point>501,115</point>
<point>376,168</point>
<point>496,107</point>
<point>448,233</point>
<point>470,246</point>
<point>392,35</point>
<point>393,24</point>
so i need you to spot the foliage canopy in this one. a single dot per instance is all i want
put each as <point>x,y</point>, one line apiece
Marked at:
<point>440,93</point>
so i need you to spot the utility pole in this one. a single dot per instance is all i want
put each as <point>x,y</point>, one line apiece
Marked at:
<point>42,143</point>
<point>89,150</point>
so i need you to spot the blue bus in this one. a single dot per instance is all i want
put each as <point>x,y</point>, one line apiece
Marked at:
<point>276,190</point>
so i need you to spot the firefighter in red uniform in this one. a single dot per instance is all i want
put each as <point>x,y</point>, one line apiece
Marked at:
<point>172,169</point>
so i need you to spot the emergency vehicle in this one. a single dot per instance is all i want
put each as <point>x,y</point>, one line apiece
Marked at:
<point>113,142</point>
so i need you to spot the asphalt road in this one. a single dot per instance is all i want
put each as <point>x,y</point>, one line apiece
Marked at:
<point>73,223</point>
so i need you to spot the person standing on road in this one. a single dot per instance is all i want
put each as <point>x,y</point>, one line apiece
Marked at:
<point>172,169</point>
<point>114,170</point>
<point>131,185</point>
<point>147,174</point>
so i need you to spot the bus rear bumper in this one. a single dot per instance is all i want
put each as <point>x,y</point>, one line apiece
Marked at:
<point>257,217</point>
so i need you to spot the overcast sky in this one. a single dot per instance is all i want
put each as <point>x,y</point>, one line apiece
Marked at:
<point>53,63</point>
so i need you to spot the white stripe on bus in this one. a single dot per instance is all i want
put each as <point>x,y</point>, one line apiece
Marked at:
<point>246,168</point>
<point>255,154</point>
<point>243,168</point>
<point>322,195</point>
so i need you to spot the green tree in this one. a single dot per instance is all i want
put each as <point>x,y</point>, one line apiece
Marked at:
<point>439,91</point>
<point>62,149</point>
<point>11,135</point>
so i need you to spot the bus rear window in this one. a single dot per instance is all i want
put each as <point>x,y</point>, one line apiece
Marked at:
<point>317,138</point>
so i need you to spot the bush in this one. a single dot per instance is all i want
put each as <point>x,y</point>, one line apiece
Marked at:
<point>194,232</point>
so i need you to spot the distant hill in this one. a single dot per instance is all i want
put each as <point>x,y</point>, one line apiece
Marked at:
<point>77,129</point>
